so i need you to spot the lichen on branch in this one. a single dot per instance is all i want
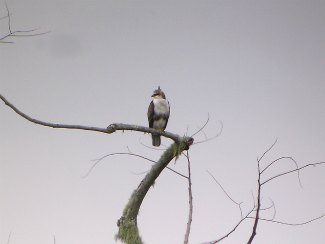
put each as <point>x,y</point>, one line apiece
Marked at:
<point>128,230</point>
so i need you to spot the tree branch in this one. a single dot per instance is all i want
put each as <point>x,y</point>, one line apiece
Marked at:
<point>258,206</point>
<point>109,130</point>
<point>257,216</point>
<point>291,171</point>
<point>190,200</point>
<point>290,224</point>
<point>17,33</point>
<point>97,161</point>
<point>128,229</point>
<point>233,229</point>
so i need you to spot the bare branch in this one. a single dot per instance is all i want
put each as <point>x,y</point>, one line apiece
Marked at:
<point>276,160</point>
<point>267,208</point>
<point>152,147</point>
<point>201,129</point>
<point>232,230</point>
<point>213,137</point>
<point>257,216</point>
<point>3,17</point>
<point>291,171</point>
<point>190,200</point>
<point>290,224</point>
<point>128,229</point>
<point>281,158</point>
<point>17,33</point>
<point>97,161</point>
<point>241,212</point>
<point>269,149</point>
<point>258,206</point>
<point>110,129</point>
<point>215,180</point>
<point>9,18</point>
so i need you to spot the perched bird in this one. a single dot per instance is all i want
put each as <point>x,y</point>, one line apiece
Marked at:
<point>158,114</point>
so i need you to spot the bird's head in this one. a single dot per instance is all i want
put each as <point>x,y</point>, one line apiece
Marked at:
<point>158,93</point>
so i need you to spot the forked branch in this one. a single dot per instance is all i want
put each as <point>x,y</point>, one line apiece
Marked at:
<point>17,33</point>
<point>258,206</point>
<point>128,229</point>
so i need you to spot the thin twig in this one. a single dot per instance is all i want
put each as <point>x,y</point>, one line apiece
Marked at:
<point>151,147</point>
<point>230,198</point>
<point>204,125</point>
<point>232,230</point>
<point>190,200</point>
<point>3,17</point>
<point>290,224</point>
<point>17,33</point>
<point>215,180</point>
<point>281,158</point>
<point>213,137</point>
<point>9,19</point>
<point>291,171</point>
<point>269,149</point>
<point>97,161</point>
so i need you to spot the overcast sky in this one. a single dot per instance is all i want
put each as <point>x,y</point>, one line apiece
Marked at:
<point>257,67</point>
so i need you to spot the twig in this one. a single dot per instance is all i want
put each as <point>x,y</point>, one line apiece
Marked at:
<point>269,149</point>
<point>97,161</point>
<point>233,229</point>
<point>290,224</point>
<point>204,125</point>
<point>152,147</point>
<point>9,19</point>
<point>242,218</point>
<point>281,158</point>
<point>258,207</point>
<point>291,171</point>
<point>215,180</point>
<point>17,33</point>
<point>3,17</point>
<point>213,137</point>
<point>190,200</point>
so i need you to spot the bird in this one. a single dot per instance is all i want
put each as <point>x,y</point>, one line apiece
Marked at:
<point>158,114</point>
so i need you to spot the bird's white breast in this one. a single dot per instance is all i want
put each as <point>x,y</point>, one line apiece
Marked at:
<point>161,106</point>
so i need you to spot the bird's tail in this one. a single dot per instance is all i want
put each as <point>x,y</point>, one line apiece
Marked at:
<point>156,140</point>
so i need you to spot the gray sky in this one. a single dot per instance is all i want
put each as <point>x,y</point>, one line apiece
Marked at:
<point>257,66</point>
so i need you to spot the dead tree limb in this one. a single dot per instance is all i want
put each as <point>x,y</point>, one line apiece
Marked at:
<point>109,130</point>
<point>190,201</point>
<point>128,229</point>
<point>258,207</point>
<point>97,161</point>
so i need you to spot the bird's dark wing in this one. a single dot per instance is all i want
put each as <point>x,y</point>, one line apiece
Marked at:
<point>167,116</point>
<point>150,114</point>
